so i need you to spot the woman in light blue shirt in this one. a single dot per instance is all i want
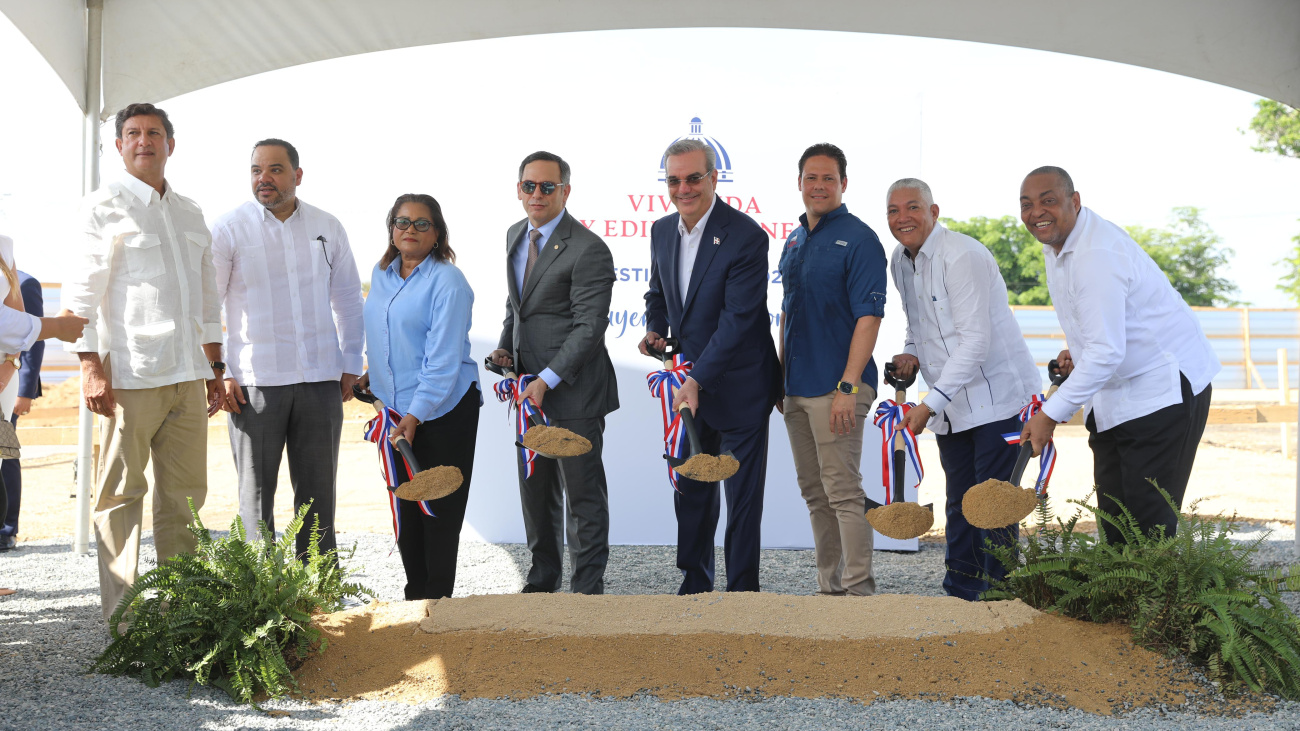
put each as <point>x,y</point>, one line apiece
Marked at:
<point>417,319</point>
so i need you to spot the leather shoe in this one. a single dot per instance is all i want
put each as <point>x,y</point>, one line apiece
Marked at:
<point>535,589</point>
<point>8,543</point>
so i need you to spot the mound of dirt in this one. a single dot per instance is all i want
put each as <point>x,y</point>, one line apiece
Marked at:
<point>901,521</point>
<point>431,484</point>
<point>708,468</point>
<point>733,645</point>
<point>997,504</point>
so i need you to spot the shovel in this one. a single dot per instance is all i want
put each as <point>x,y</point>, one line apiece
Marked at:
<point>566,443</point>
<point>996,504</point>
<point>430,484</point>
<point>899,519</point>
<point>699,466</point>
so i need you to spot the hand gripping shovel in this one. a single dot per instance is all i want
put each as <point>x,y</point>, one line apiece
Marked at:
<point>430,484</point>
<point>996,503</point>
<point>699,466</point>
<point>552,442</point>
<point>899,519</point>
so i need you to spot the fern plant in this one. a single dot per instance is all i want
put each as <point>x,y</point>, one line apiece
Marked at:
<point>1194,593</point>
<point>234,614</point>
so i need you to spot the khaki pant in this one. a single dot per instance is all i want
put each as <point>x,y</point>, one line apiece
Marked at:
<point>827,465</point>
<point>171,423</point>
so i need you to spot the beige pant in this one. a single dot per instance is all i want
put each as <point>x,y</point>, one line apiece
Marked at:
<point>827,465</point>
<point>171,422</point>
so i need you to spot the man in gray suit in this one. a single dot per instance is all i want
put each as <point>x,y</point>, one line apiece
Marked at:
<point>560,277</point>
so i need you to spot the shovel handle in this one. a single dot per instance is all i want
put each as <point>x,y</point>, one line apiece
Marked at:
<point>688,420</point>
<point>403,446</point>
<point>899,384</point>
<point>900,466</point>
<point>665,355</point>
<point>1022,460</point>
<point>503,371</point>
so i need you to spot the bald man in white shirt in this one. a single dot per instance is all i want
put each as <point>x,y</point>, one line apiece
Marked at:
<point>1137,357</point>
<point>294,337</point>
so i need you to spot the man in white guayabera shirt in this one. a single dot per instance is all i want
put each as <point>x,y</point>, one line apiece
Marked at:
<point>963,337</point>
<point>294,338</point>
<point>1136,355</point>
<point>144,278</point>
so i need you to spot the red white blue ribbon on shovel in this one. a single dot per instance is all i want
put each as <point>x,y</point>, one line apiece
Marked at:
<point>889,417</point>
<point>380,430</point>
<point>1046,459</point>
<point>507,391</point>
<point>662,384</point>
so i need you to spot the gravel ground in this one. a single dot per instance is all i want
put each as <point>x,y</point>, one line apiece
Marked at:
<point>51,629</point>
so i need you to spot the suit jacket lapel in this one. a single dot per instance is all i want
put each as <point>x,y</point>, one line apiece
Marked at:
<point>714,234</point>
<point>511,243</point>
<point>552,249</point>
<point>669,274</point>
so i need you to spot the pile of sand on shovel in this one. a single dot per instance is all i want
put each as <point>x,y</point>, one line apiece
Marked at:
<point>431,484</point>
<point>901,521</point>
<point>555,441</point>
<point>708,468</point>
<point>997,504</point>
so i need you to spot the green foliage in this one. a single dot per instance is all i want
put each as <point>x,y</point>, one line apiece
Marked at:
<point>1289,282</point>
<point>1017,252</point>
<point>1190,253</point>
<point>233,614</point>
<point>1278,128</point>
<point>1194,593</point>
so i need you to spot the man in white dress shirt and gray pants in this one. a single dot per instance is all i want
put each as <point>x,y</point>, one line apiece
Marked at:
<point>144,278</point>
<point>1136,355</point>
<point>294,338</point>
<point>963,337</point>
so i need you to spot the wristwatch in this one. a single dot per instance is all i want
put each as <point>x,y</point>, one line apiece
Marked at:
<point>846,388</point>
<point>13,359</point>
<point>217,366</point>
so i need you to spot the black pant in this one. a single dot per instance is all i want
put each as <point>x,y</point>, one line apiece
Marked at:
<point>429,544</point>
<point>586,525</point>
<point>970,457</point>
<point>1160,446</point>
<point>697,509</point>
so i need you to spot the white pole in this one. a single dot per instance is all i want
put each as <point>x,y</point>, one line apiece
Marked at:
<point>90,166</point>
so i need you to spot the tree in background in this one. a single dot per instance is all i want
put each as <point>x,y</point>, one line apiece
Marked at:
<point>1189,253</point>
<point>1017,252</point>
<point>1278,128</point>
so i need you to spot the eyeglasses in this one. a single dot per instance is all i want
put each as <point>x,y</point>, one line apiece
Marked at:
<point>421,224</point>
<point>691,180</point>
<point>547,188</point>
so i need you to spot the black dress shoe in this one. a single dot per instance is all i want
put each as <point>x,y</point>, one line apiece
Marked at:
<point>535,589</point>
<point>8,543</point>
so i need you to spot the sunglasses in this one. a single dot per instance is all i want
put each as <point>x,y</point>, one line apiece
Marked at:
<point>421,225</point>
<point>691,180</point>
<point>547,188</point>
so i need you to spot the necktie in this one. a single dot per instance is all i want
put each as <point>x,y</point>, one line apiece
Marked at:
<point>533,237</point>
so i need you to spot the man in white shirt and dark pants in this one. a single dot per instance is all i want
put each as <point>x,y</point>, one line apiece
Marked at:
<point>144,278</point>
<point>963,337</point>
<point>1136,355</point>
<point>294,338</point>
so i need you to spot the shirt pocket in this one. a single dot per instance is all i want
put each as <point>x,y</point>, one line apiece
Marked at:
<point>199,243</point>
<point>941,312</point>
<point>151,347</point>
<point>827,260</point>
<point>143,256</point>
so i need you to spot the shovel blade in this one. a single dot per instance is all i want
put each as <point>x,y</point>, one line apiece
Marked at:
<point>540,454</point>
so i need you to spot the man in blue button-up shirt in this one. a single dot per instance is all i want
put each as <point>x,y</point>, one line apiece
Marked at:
<point>833,269</point>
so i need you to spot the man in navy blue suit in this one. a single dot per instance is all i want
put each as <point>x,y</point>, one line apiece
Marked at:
<point>29,387</point>
<point>708,288</point>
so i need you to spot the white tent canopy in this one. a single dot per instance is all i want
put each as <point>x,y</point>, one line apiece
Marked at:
<point>157,49</point>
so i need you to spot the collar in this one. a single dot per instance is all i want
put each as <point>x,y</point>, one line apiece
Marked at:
<point>268,216</point>
<point>547,228</point>
<point>425,267</point>
<point>144,192</point>
<point>700,224</point>
<point>933,243</point>
<point>1072,240</point>
<point>843,210</point>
